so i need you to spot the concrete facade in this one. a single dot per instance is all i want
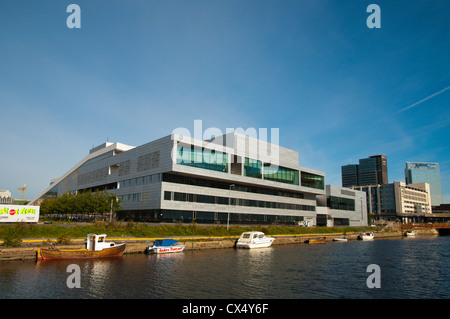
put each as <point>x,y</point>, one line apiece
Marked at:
<point>343,206</point>
<point>237,178</point>
<point>398,201</point>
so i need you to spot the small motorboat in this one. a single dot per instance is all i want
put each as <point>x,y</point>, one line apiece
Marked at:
<point>165,246</point>
<point>254,239</point>
<point>410,233</point>
<point>96,247</point>
<point>340,239</point>
<point>316,240</point>
<point>366,236</point>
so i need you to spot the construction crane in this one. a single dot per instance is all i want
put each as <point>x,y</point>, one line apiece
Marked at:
<point>22,189</point>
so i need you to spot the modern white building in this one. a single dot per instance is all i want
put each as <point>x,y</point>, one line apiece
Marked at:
<point>341,206</point>
<point>178,178</point>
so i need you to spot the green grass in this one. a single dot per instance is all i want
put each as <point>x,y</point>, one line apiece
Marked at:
<point>118,229</point>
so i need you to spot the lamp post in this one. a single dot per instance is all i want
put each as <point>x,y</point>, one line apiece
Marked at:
<point>229,203</point>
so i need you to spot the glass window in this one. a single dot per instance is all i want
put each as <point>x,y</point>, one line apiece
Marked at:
<point>313,180</point>
<point>190,155</point>
<point>341,203</point>
<point>252,168</point>
<point>281,174</point>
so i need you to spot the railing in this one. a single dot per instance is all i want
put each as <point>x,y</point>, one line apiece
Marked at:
<point>426,225</point>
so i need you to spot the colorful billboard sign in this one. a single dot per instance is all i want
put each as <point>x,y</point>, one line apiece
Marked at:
<point>19,213</point>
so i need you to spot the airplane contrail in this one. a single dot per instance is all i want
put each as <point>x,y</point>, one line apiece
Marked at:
<point>425,99</point>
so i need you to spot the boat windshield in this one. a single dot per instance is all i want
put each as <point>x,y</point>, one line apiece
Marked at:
<point>246,236</point>
<point>165,242</point>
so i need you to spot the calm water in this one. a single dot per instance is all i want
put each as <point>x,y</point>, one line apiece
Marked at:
<point>410,268</point>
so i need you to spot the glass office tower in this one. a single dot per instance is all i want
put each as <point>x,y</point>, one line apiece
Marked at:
<point>369,171</point>
<point>417,172</point>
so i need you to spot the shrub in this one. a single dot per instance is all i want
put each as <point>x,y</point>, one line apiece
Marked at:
<point>12,235</point>
<point>63,239</point>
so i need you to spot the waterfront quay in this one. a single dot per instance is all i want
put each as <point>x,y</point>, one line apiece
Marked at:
<point>135,245</point>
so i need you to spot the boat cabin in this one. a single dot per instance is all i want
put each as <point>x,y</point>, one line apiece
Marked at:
<point>97,242</point>
<point>249,236</point>
<point>165,242</point>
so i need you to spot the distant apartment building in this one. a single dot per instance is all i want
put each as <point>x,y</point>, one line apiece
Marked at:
<point>398,201</point>
<point>419,172</point>
<point>369,171</point>
<point>5,197</point>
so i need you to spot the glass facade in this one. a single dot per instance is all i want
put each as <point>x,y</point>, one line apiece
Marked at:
<point>281,174</point>
<point>313,180</point>
<point>207,199</point>
<point>130,198</point>
<point>143,180</point>
<point>416,172</point>
<point>202,158</point>
<point>189,180</point>
<point>209,217</point>
<point>341,203</point>
<point>252,168</point>
<point>350,175</point>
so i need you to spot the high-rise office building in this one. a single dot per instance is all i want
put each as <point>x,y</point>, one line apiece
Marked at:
<point>419,172</point>
<point>369,171</point>
<point>350,175</point>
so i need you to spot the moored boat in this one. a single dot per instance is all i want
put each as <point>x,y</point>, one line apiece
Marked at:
<point>165,246</point>
<point>315,240</point>
<point>366,236</point>
<point>254,239</point>
<point>410,233</point>
<point>340,239</point>
<point>96,247</point>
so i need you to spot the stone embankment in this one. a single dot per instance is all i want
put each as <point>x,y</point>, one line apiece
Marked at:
<point>28,249</point>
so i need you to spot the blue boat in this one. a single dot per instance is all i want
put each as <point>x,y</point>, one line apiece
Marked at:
<point>165,246</point>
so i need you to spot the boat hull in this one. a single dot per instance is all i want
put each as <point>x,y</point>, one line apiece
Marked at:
<point>166,250</point>
<point>315,241</point>
<point>410,234</point>
<point>47,254</point>
<point>365,237</point>
<point>261,244</point>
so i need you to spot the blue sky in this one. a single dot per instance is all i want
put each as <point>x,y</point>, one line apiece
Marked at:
<point>136,70</point>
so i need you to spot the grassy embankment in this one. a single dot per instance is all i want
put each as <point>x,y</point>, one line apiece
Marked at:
<point>12,235</point>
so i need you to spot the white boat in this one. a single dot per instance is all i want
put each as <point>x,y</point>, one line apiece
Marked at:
<point>165,246</point>
<point>366,236</point>
<point>410,233</point>
<point>254,239</point>
<point>340,239</point>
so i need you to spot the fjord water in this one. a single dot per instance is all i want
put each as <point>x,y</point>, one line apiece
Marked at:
<point>412,268</point>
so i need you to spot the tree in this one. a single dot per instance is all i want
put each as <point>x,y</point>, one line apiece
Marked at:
<point>98,202</point>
